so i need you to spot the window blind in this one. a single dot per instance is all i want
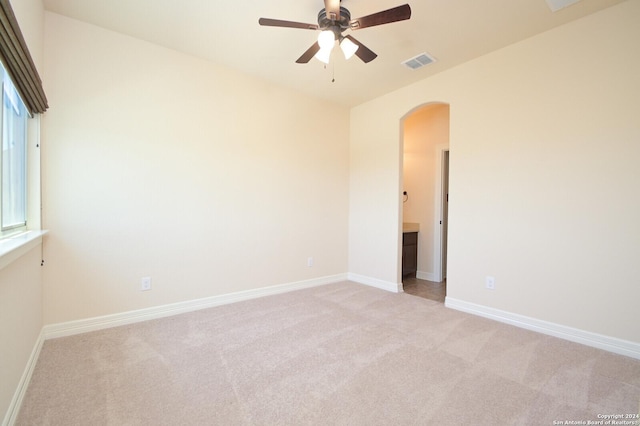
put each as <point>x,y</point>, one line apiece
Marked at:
<point>18,63</point>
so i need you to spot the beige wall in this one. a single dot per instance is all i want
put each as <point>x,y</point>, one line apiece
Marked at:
<point>426,133</point>
<point>20,320</point>
<point>21,280</point>
<point>544,175</point>
<point>160,164</point>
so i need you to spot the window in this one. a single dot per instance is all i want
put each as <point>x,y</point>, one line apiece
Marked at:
<point>13,188</point>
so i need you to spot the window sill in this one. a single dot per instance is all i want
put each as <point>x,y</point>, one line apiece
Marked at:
<point>14,247</point>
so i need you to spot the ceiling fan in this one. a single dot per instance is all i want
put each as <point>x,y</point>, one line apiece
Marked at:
<point>333,20</point>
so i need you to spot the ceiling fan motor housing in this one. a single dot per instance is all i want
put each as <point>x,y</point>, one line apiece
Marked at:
<point>330,23</point>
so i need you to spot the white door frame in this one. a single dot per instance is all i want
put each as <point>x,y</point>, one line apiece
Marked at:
<point>439,211</point>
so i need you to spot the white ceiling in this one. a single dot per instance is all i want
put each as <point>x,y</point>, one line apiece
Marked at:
<point>227,33</point>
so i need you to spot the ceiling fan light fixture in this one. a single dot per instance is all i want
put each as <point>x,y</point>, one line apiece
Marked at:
<point>324,54</point>
<point>333,20</point>
<point>326,39</point>
<point>348,47</point>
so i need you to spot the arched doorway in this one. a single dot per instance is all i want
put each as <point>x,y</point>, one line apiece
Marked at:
<point>425,159</point>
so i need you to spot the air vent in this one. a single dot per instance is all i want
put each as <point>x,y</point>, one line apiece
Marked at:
<point>419,61</point>
<point>556,5</point>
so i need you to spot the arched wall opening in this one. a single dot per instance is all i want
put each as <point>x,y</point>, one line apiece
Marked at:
<point>424,150</point>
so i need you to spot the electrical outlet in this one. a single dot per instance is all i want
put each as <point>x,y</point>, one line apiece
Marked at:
<point>145,283</point>
<point>310,261</point>
<point>490,283</point>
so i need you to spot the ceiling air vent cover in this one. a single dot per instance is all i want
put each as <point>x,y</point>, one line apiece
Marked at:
<point>556,5</point>
<point>419,61</point>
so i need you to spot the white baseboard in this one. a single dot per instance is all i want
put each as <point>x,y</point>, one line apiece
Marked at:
<point>611,344</point>
<point>16,402</point>
<point>107,321</point>
<point>374,282</point>
<point>429,276</point>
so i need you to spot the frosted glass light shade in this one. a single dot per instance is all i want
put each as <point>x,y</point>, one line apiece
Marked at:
<point>326,39</point>
<point>324,54</point>
<point>348,47</point>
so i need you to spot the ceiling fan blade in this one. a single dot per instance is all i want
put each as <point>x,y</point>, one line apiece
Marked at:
<point>332,8</point>
<point>310,53</point>
<point>363,51</point>
<point>286,24</point>
<point>395,14</point>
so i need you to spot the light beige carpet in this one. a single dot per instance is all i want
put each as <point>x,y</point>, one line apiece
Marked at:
<point>341,354</point>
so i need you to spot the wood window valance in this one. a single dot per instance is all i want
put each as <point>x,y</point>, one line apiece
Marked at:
<point>18,63</point>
